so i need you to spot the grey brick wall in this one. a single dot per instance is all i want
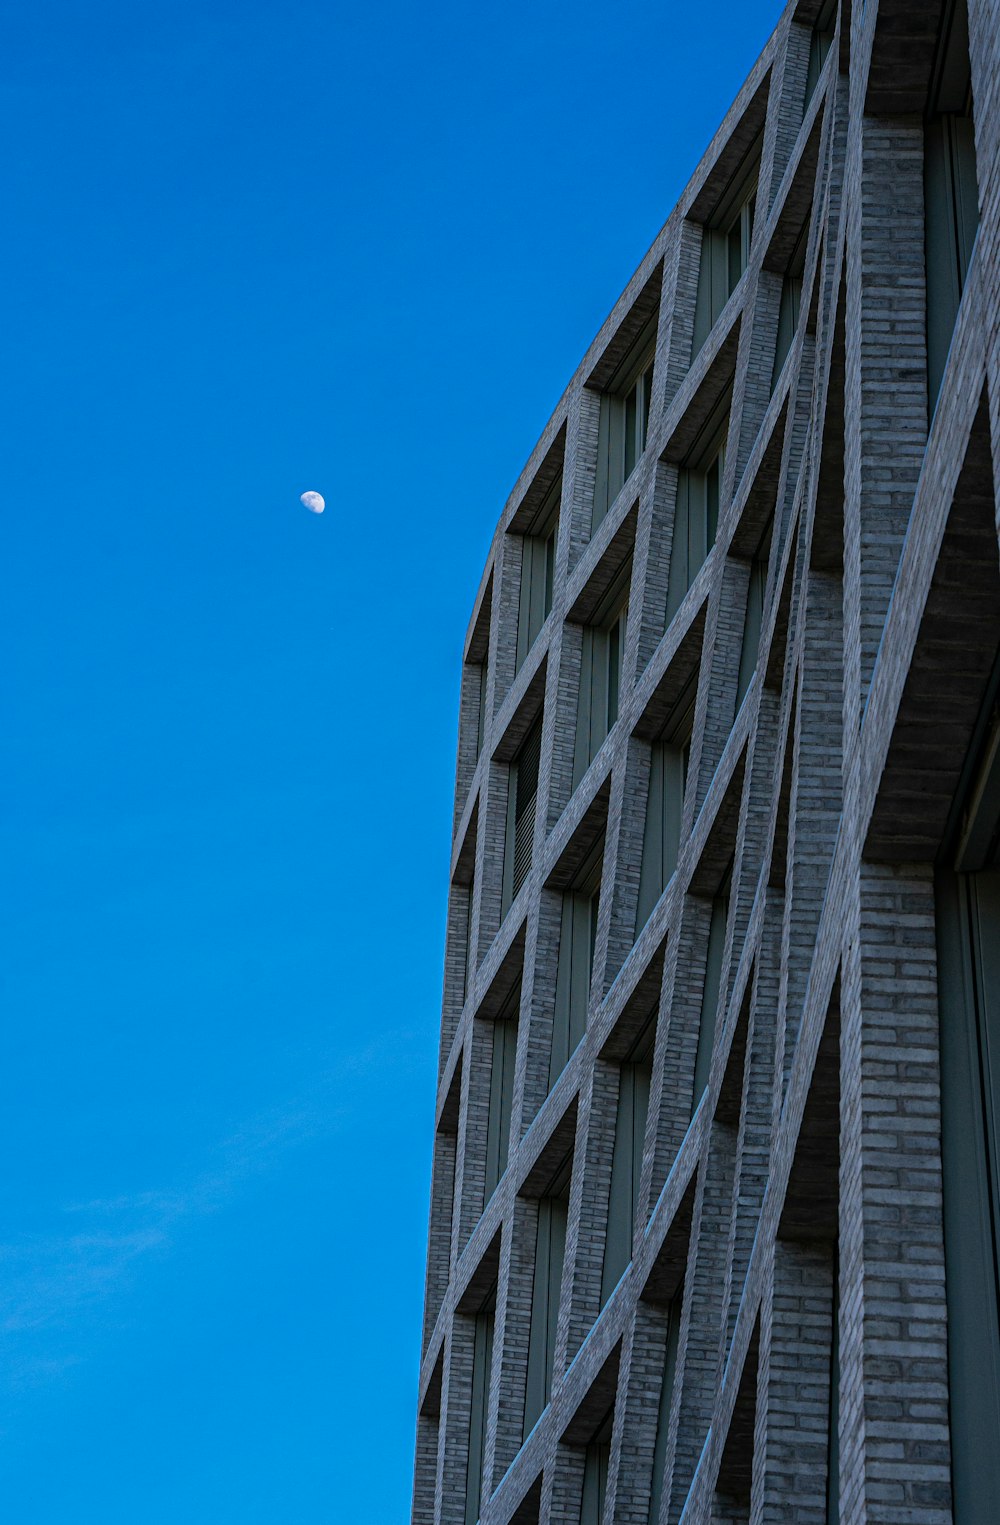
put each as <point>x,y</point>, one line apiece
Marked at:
<point>806,1188</point>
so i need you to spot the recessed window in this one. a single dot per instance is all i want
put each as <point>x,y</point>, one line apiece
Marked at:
<point>725,248</point>
<point>790,306</point>
<point>482,1362</point>
<point>597,1458</point>
<point>968,916</point>
<point>696,518</point>
<point>550,1250</point>
<point>951,191</point>
<point>577,940</point>
<point>754,614</point>
<point>522,793</point>
<point>600,673</point>
<point>819,45</point>
<point>626,1159</point>
<point>501,1090</point>
<point>711,990</point>
<point>624,422</point>
<point>668,768</point>
<point>538,560</point>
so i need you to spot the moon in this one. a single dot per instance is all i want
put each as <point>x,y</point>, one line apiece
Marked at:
<point>313,501</point>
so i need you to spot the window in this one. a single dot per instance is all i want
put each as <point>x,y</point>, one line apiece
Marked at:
<point>538,559</point>
<point>696,518</point>
<point>710,991</point>
<point>968,909</point>
<point>725,250</point>
<point>754,615</point>
<point>819,45</point>
<point>522,792</point>
<point>626,1159</point>
<point>595,1473</point>
<point>600,674</point>
<point>624,422</point>
<point>951,191</point>
<point>550,1249</point>
<point>791,304</point>
<point>668,767</point>
<point>577,938</point>
<point>501,1090</point>
<point>482,1362</point>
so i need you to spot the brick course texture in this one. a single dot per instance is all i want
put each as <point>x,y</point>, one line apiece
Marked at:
<point>788,1266</point>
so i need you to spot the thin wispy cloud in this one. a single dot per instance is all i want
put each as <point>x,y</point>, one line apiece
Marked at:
<point>51,1284</point>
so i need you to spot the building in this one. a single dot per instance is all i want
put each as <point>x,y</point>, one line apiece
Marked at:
<point>715,1218</point>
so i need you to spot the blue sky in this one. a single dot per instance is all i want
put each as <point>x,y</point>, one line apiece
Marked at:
<point>254,249</point>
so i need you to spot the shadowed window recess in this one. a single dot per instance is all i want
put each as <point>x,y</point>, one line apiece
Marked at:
<point>725,246</point>
<point>538,560</point>
<point>968,910</point>
<point>522,793</point>
<point>635,1076</point>
<point>550,1249</point>
<point>668,770</point>
<point>624,421</point>
<point>600,673</point>
<point>711,989</point>
<point>696,518</point>
<point>501,1090</point>
<point>595,1472</point>
<point>482,1363</point>
<point>951,190</point>
<point>756,586</point>
<point>577,939</point>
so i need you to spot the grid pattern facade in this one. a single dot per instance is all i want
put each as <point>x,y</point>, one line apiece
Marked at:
<point>687,1248</point>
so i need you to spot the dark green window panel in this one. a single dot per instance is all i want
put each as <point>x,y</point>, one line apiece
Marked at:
<point>600,674</point>
<point>550,1249</point>
<point>951,193</point>
<point>597,1458</point>
<point>696,517</point>
<point>538,559</point>
<point>668,767</point>
<point>624,422</point>
<point>710,993</point>
<point>482,1362</point>
<point>501,1091</point>
<point>788,322</point>
<point>577,938</point>
<point>663,1409</point>
<point>819,46</point>
<point>969,995</point>
<point>754,617</point>
<point>725,249</point>
<point>522,793</point>
<point>626,1164</point>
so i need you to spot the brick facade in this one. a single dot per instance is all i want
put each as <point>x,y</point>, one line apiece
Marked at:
<point>788,1256</point>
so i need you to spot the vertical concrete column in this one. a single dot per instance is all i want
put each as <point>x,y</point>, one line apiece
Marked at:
<point>894,1451</point>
